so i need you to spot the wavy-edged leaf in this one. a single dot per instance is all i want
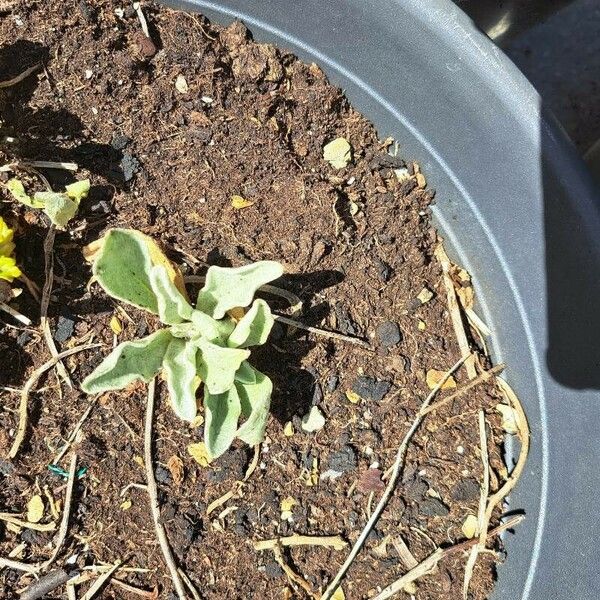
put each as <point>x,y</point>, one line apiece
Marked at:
<point>173,308</point>
<point>217,366</point>
<point>122,268</point>
<point>253,328</point>
<point>179,365</point>
<point>17,189</point>
<point>255,400</point>
<point>246,373</point>
<point>222,412</point>
<point>78,190</point>
<point>129,361</point>
<point>58,206</point>
<point>211,329</point>
<point>228,288</point>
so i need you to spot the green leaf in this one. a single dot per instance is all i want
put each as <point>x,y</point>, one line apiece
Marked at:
<point>246,373</point>
<point>78,190</point>
<point>180,370</point>
<point>255,400</point>
<point>217,366</point>
<point>129,361</point>
<point>227,288</point>
<point>16,188</point>
<point>211,329</point>
<point>253,328</point>
<point>123,266</point>
<point>222,412</point>
<point>58,206</point>
<point>173,308</point>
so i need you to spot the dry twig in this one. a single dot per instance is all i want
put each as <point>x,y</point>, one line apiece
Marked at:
<point>74,433</point>
<point>291,574</point>
<point>161,533</point>
<point>100,582</point>
<point>33,379</point>
<point>485,376</point>
<point>329,541</point>
<point>20,77</point>
<point>455,312</point>
<point>481,524</point>
<point>396,470</point>
<point>428,565</point>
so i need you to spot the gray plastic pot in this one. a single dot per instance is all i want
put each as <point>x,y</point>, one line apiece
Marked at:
<point>519,212</point>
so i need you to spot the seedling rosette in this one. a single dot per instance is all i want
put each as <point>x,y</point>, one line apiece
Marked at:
<point>202,345</point>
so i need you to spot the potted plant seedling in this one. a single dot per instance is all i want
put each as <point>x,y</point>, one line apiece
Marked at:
<point>206,344</point>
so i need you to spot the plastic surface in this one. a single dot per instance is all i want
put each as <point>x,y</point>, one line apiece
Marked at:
<point>519,212</point>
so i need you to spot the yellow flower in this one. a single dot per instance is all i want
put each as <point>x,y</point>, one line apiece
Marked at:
<point>8,268</point>
<point>6,236</point>
<point>8,265</point>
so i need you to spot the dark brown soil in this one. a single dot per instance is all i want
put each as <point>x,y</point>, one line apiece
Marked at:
<point>357,245</point>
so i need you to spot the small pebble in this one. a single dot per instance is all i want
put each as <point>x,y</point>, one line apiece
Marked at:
<point>119,141</point>
<point>370,388</point>
<point>388,334</point>
<point>64,329</point>
<point>343,460</point>
<point>432,507</point>
<point>162,475</point>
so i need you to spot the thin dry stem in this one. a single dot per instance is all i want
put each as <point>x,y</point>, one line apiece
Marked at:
<point>291,574</point>
<point>455,312</point>
<point>483,499</point>
<point>161,533</point>
<point>45,302</point>
<point>74,433</point>
<point>97,586</point>
<point>485,376</point>
<point>428,565</point>
<point>20,77</point>
<point>329,541</point>
<point>33,379</point>
<point>64,525</point>
<point>396,470</point>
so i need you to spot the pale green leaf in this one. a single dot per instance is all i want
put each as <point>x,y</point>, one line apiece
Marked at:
<point>180,370</point>
<point>253,328</point>
<point>173,308</point>
<point>122,268</point>
<point>16,188</point>
<point>217,366</point>
<point>246,373</point>
<point>211,329</point>
<point>58,206</point>
<point>129,361</point>
<point>228,288</point>
<point>222,412</point>
<point>255,400</point>
<point>78,190</point>
<point>338,153</point>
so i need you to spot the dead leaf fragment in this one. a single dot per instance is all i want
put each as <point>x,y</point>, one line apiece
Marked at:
<point>199,453</point>
<point>338,153</point>
<point>288,430</point>
<point>175,466</point>
<point>238,202</point>
<point>126,504</point>
<point>115,325</point>
<point>35,509</point>
<point>509,418</point>
<point>421,182</point>
<point>352,396</point>
<point>425,295</point>
<point>470,527</point>
<point>286,506</point>
<point>338,594</point>
<point>313,421</point>
<point>434,377</point>
<point>181,84</point>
